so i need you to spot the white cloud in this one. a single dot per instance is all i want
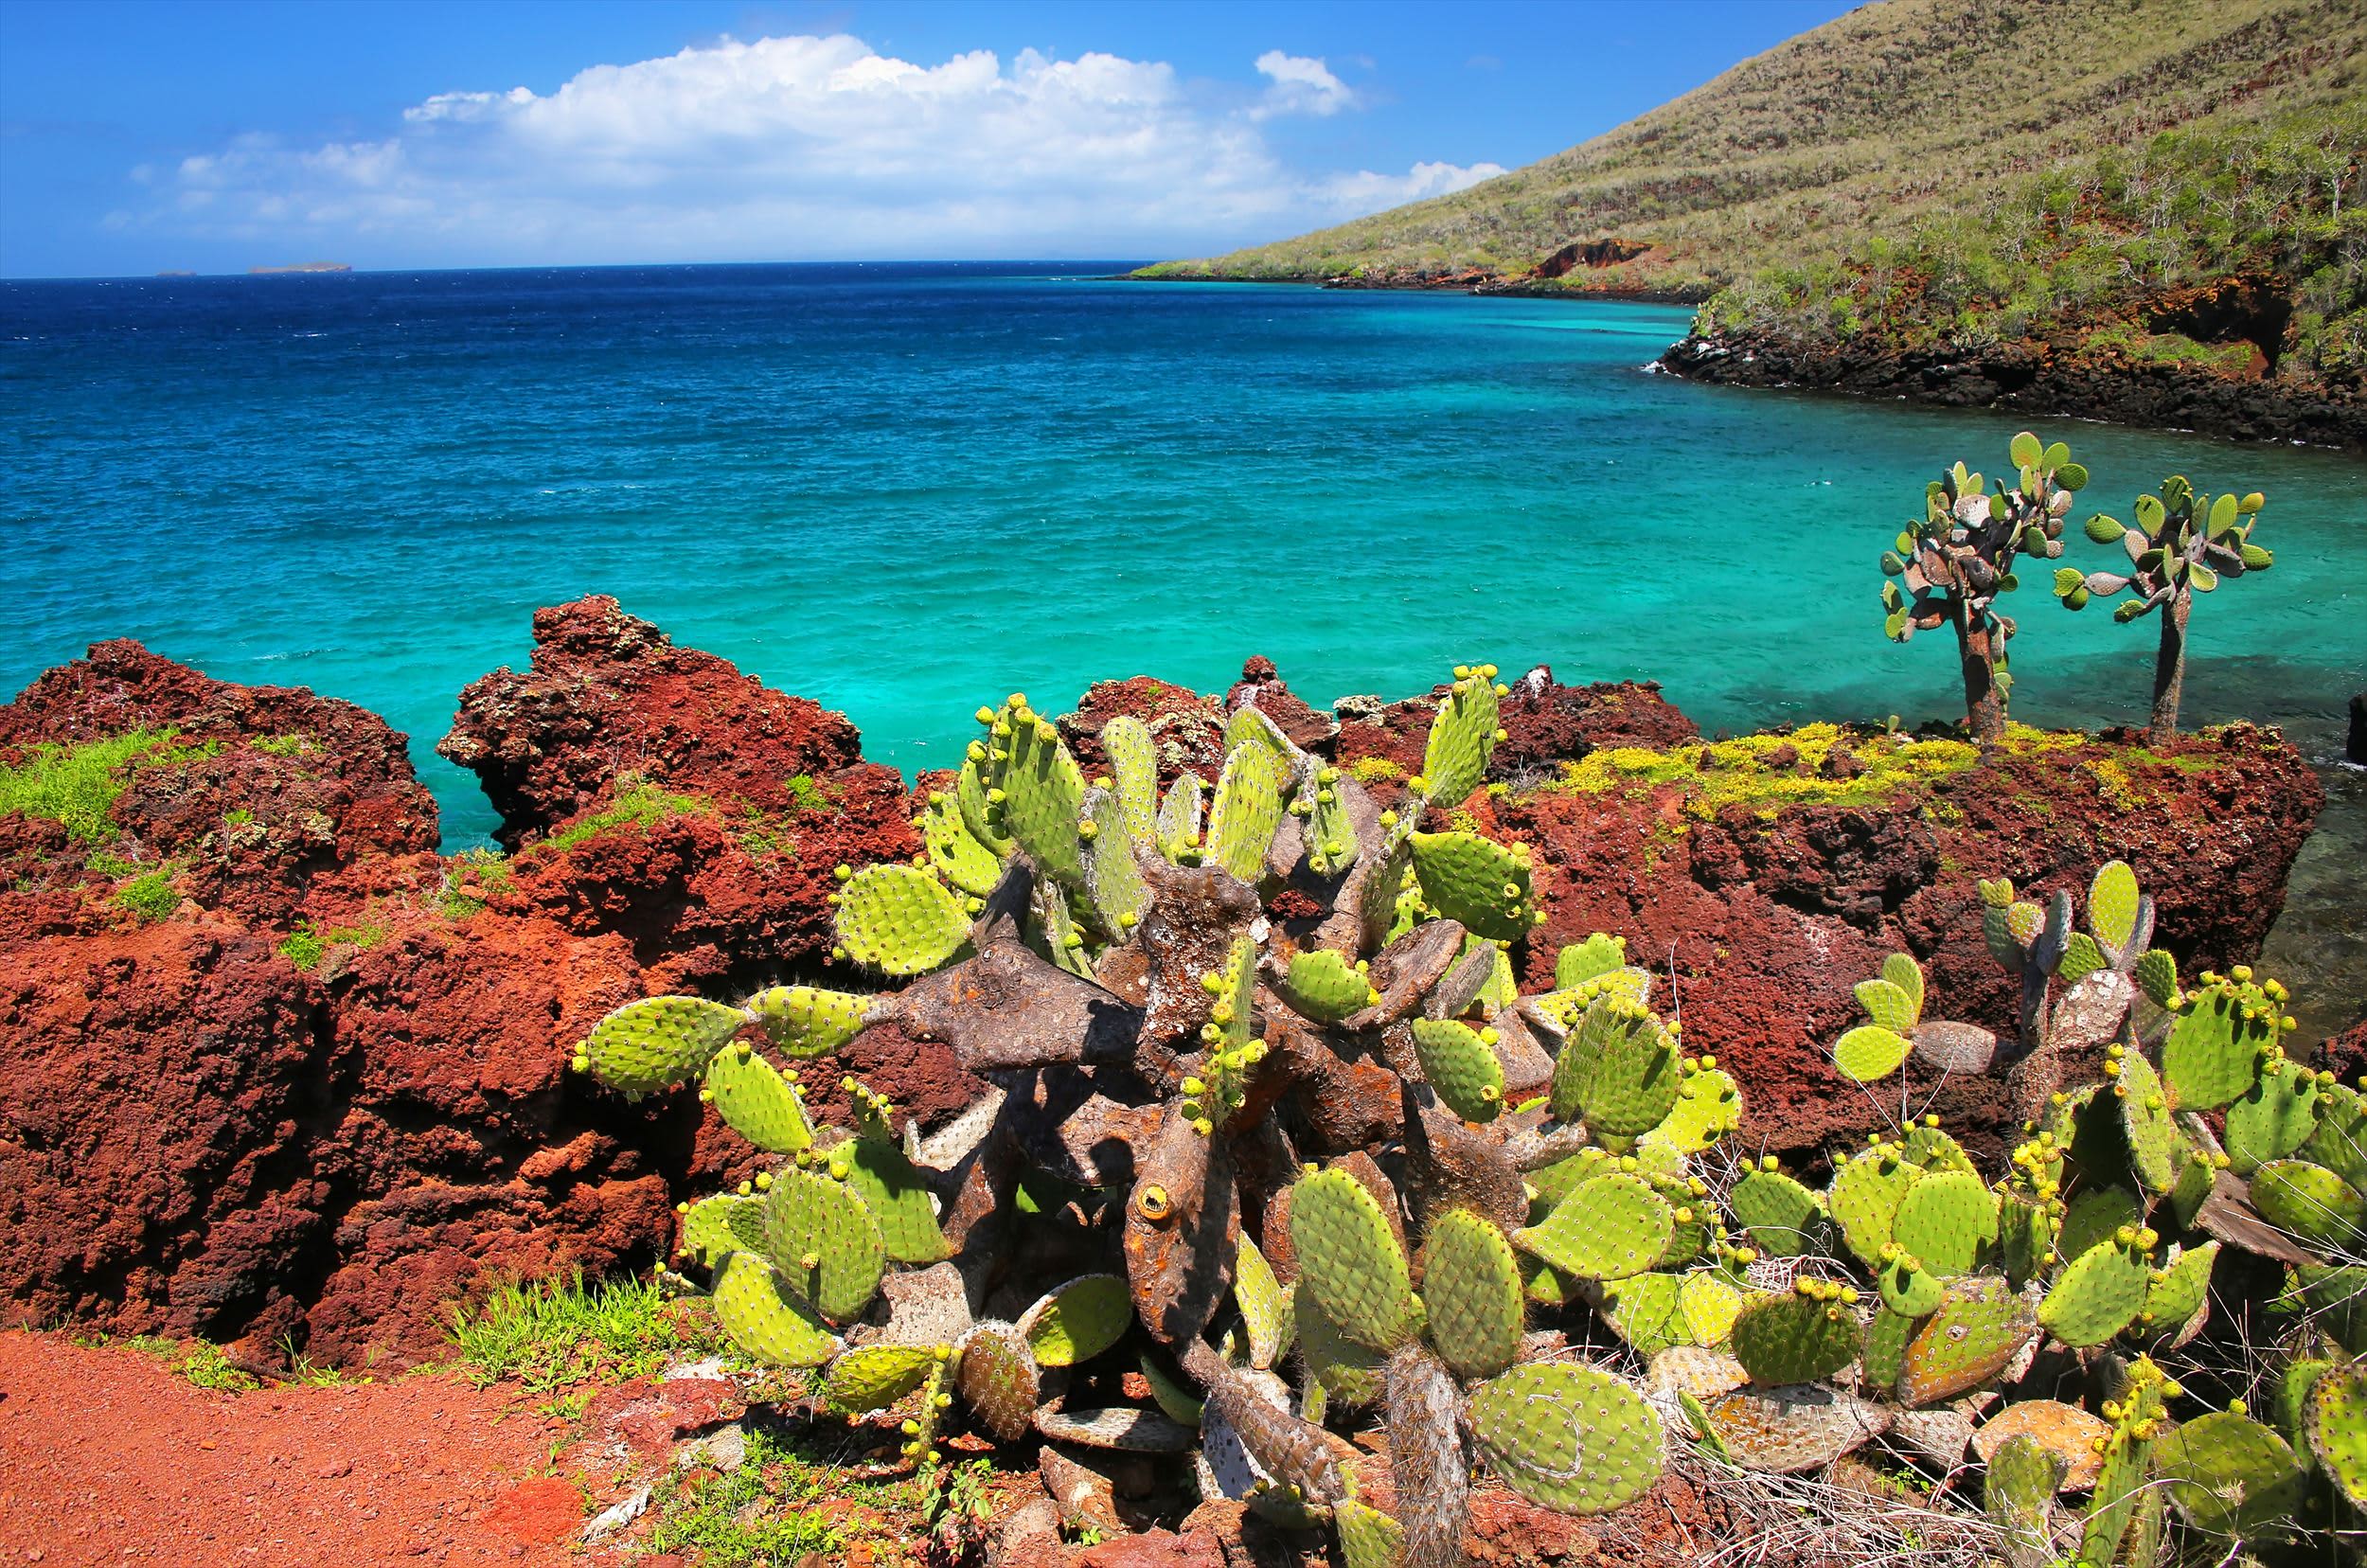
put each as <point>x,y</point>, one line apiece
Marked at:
<point>1301,86</point>
<point>797,147</point>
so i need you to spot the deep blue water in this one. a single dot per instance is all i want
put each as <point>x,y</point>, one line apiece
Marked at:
<point>906,489</point>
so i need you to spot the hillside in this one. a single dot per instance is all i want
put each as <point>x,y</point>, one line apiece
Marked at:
<point>2115,186</point>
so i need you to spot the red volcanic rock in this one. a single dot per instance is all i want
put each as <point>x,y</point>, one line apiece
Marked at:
<point>1760,919</point>
<point>1543,721</point>
<point>262,788</point>
<point>1187,728</point>
<point>608,695</point>
<point>1260,686</point>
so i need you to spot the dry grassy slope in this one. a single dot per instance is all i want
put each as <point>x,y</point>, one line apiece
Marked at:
<point>1894,114</point>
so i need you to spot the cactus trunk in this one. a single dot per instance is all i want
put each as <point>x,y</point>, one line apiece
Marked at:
<point>1985,704</point>
<point>2169,670</point>
<point>1426,1459</point>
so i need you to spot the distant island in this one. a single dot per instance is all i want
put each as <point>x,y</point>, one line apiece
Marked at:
<point>302,267</point>
<point>176,272</point>
<point>2140,213</point>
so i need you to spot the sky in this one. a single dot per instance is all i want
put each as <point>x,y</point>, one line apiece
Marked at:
<point>145,135</point>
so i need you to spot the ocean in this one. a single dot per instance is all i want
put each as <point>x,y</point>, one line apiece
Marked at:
<point>906,489</point>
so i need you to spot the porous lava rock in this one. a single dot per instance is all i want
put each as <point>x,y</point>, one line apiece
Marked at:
<point>1544,721</point>
<point>1186,728</point>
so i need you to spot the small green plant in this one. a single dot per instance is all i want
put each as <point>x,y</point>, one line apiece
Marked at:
<point>149,896</point>
<point>470,879</point>
<point>551,1335</point>
<point>1954,562</point>
<point>792,1499</point>
<point>805,796</point>
<point>202,1361</point>
<point>284,745</point>
<point>2182,544</point>
<point>637,805</point>
<point>238,817</point>
<point>304,946</point>
<point>78,785</point>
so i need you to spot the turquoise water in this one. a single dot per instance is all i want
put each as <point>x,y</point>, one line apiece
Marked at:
<point>903,490</point>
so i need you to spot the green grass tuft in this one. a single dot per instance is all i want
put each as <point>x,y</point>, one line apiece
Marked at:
<point>78,785</point>
<point>201,1361</point>
<point>553,1334</point>
<point>306,945</point>
<point>150,896</point>
<point>636,806</point>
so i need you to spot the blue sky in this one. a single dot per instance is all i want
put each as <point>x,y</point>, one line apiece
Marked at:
<point>141,136</point>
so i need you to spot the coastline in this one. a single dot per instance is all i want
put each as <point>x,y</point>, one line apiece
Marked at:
<point>2032,377</point>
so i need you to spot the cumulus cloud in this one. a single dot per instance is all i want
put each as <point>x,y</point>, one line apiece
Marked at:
<point>798,147</point>
<point>1300,86</point>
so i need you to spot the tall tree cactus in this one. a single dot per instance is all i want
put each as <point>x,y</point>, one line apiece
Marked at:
<point>2182,544</point>
<point>1951,566</point>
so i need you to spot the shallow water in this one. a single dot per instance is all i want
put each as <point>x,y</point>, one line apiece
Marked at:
<point>904,489</point>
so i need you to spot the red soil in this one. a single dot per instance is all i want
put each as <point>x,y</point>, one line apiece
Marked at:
<point>107,1455</point>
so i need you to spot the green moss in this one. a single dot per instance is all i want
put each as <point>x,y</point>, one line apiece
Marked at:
<point>78,785</point>
<point>150,895</point>
<point>469,878</point>
<point>638,805</point>
<point>805,796</point>
<point>1720,774</point>
<point>304,947</point>
<point>1375,770</point>
<point>285,745</point>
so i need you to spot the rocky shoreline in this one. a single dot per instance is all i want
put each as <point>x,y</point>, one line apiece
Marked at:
<point>315,1090</point>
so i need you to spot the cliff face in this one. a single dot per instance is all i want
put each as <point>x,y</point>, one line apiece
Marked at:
<point>315,1093</point>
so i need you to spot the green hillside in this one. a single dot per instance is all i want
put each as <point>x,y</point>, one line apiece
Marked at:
<point>1953,172</point>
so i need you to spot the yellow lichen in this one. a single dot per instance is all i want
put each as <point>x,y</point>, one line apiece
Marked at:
<point>1720,774</point>
<point>1375,770</point>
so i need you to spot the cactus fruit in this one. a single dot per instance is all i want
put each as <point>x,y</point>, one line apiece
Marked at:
<point>1800,1335</point>
<point>656,1043</point>
<point>2228,1475</point>
<point>1349,1259</point>
<point>1078,1321</point>
<point>764,1320</point>
<point>1461,1063</point>
<point>1568,1437</point>
<point>1610,1229</point>
<point>1471,1292</point>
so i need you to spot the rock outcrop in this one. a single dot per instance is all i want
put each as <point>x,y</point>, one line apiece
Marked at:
<point>314,1092</point>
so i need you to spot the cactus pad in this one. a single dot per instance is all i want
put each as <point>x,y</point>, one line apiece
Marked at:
<point>1579,962</point>
<point>2312,1203</point>
<point>2065,1430</point>
<point>1461,1066</point>
<point>954,851</point>
<point>1947,1219</point>
<point>995,1373</point>
<point>1797,1336</point>
<point>824,1242</point>
<point>1864,1198</point>
<point>899,919</point>
<point>1610,1229</point>
<point>1121,1428</point>
<point>1869,1052</point>
<point>2178,1292</point>
<point>1646,1310</point>
<point>2273,1117</point>
<point>1976,1331</point>
<point>1781,1215</point>
<point>1322,985</point>
<point>1347,1372</point>
<point>1112,880</point>
<point>756,1101</point>
<point>1265,1305</point>
<point>2156,1147</point>
<point>1478,882</point>
<point>1126,741</point>
<point>1178,820</point>
<point>805,1021</point>
<point>1709,1106</point>
<point>657,1041</point>
<point>2095,1216</point>
<point>2228,1475</point>
<point>1462,738</point>
<point>1368,1537</point>
<point>876,1375</point>
<point>1349,1259</point>
<point>1244,813</point>
<point>2096,1296</point>
<point>1567,1436</point>
<point>764,1322</point>
<point>2019,1497</point>
<point>713,1228</point>
<point>2214,1049</point>
<point>893,1190</point>
<point>1471,1290</point>
<point>1908,1288</point>
<point>2338,1141</point>
<point>1621,1067</point>
<point>2335,1424</point>
<point>1888,1005</point>
<point>1790,1429</point>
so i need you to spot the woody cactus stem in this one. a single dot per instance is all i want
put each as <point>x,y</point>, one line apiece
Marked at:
<point>2169,671</point>
<point>1951,565</point>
